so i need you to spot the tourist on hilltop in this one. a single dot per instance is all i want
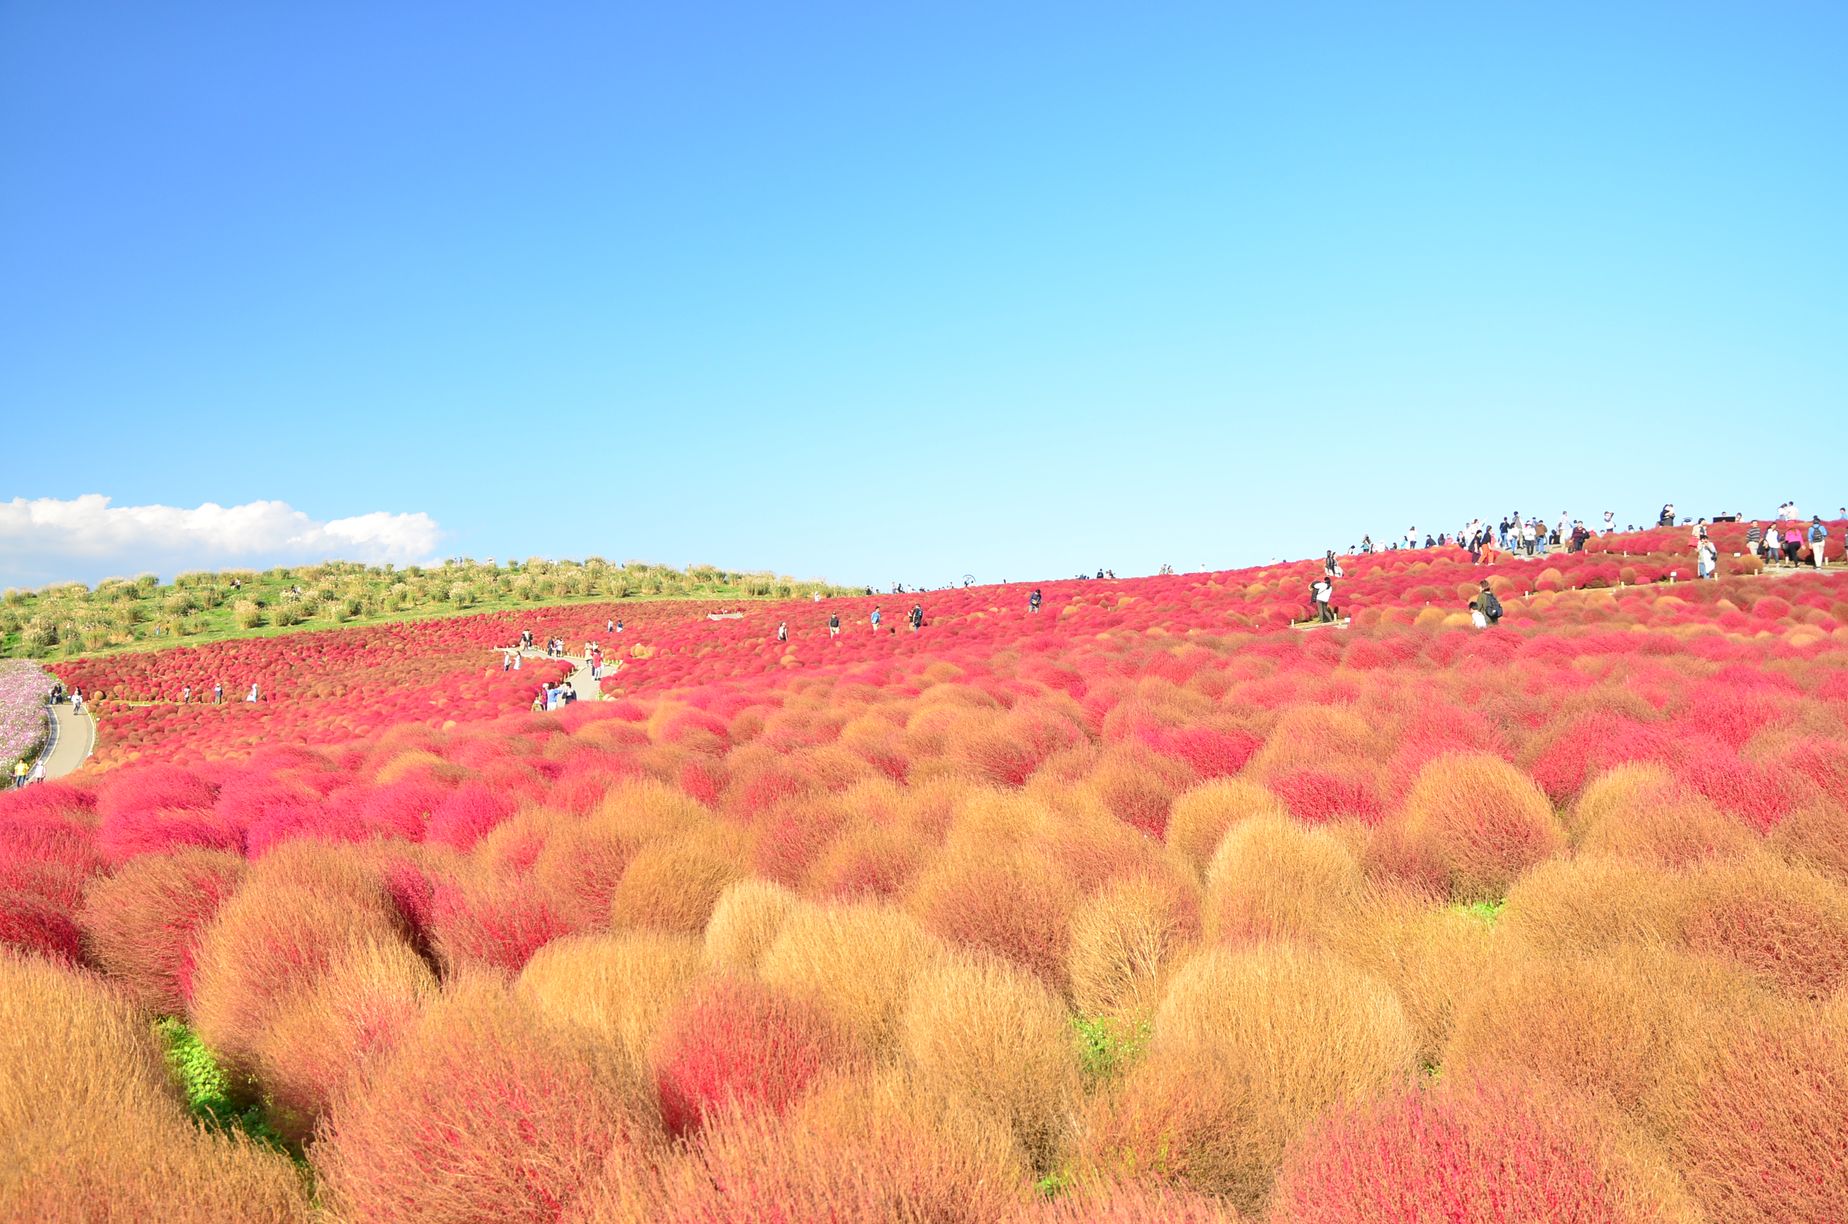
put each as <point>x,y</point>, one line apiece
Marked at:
<point>619,624</point>
<point>917,617</point>
<point>1323,591</point>
<point>1818,542</point>
<point>782,631</point>
<point>609,625</point>
<point>218,693</point>
<point>1706,559</point>
<point>1411,537</point>
<point>1754,538</point>
<point>1610,522</point>
<point>1793,543</point>
<point>834,625</point>
<point>874,618</point>
<point>1667,517</point>
<point>1033,600</point>
<point>252,694</point>
<point>185,694</point>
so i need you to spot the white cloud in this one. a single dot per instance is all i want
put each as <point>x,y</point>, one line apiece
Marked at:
<point>53,539</point>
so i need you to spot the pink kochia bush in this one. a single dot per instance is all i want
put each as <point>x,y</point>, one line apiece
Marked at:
<point>1483,1152</point>
<point>737,1041</point>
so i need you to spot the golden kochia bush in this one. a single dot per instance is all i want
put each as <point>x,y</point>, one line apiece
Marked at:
<point>672,885</point>
<point>991,1035</point>
<point>1764,1139</point>
<point>1480,822</point>
<point>1273,878</point>
<point>856,962</point>
<point>140,924</point>
<point>484,1111</point>
<point>265,946</point>
<point>91,1127</point>
<point>1579,907</point>
<point>1248,1047</point>
<point>1433,959</point>
<point>745,922</point>
<point>1816,836</point>
<point>1202,815</point>
<point>1128,1203</point>
<point>1786,925</point>
<point>336,1027</point>
<point>1640,812</point>
<point>1007,903</point>
<point>1630,1028</point>
<point>614,988</point>
<point>865,1148</point>
<point>1125,942</point>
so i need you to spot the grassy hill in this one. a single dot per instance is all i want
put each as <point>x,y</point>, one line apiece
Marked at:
<point>121,613</point>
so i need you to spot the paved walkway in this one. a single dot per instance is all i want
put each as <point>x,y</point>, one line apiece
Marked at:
<point>72,740</point>
<point>579,679</point>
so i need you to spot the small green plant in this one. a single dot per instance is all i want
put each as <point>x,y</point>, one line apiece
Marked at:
<point>1107,1046</point>
<point>1054,1183</point>
<point>1485,912</point>
<point>208,1087</point>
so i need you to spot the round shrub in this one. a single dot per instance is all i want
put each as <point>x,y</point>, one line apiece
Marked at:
<point>142,923</point>
<point>1786,925</point>
<point>1272,878</point>
<point>737,1042</point>
<point>482,1112</point>
<point>1489,1152</point>
<point>1482,821</point>
<point>1765,1138</point>
<point>1201,816</point>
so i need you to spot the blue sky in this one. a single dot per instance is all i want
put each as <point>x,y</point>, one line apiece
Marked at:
<point>899,292</point>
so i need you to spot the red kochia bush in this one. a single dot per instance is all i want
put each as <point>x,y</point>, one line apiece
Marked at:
<point>491,919</point>
<point>738,1041</point>
<point>142,923</point>
<point>33,924</point>
<point>1481,1152</point>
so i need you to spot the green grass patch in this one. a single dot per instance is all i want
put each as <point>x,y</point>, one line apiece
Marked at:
<point>1107,1046</point>
<point>1485,912</point>
<point>210,1093</point>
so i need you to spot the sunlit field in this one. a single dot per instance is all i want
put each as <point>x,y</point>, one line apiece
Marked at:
<point>1154,905</point>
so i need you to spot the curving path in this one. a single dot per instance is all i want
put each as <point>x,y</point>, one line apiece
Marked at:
<point>72,740</point>
<point>579,679</point>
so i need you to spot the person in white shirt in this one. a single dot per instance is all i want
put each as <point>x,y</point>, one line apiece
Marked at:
<point>1411,537</point>
<point>1610,522</point>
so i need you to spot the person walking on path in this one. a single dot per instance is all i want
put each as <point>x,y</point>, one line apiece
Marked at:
<point>834,625</point>
<point>1793,543</point>
<point>875,619</point>
<point>1818,542</point>
<point>917,617</point>
<point>38,770</point>
<point>19,773</point>
<point>1033,601</point>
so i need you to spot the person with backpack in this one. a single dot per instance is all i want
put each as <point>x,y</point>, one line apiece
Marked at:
<point>1706,559</point>
<point>1818,542</point>
<point>917,617</point>
<point>1033,601</point>
<point>1323,592</point>
<point>834,625</point>
<point>1489,605</point>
